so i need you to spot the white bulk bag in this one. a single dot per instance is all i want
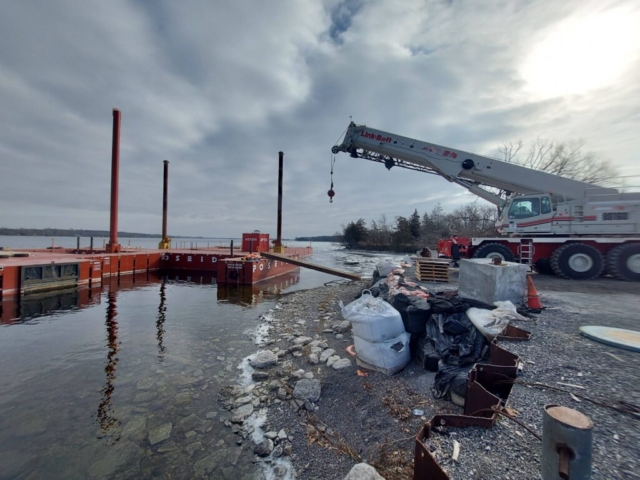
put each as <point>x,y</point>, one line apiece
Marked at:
<point>387,357</point>
<point>373,319</point>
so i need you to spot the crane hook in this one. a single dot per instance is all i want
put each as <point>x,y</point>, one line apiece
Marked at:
<point>331,193</point>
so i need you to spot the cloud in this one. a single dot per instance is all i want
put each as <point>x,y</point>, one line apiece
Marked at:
<point>219,89</point>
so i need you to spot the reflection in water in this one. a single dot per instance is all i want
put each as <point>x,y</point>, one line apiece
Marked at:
<point>162,313</point>
<point>105,409</point>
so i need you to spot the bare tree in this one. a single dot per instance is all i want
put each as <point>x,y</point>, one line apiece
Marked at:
<point>563,159</point>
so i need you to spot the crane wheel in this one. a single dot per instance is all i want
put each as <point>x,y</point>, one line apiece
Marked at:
<point>490,250</point>
<point>623,262</point>
<point>577,261</point>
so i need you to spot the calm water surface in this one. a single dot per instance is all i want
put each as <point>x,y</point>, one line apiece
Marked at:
<point>89,379</point>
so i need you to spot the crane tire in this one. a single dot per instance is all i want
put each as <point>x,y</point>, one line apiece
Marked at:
<point>489,250</point>
<point>623,262</point>
<point>577,261</point>
<point>543,266</point>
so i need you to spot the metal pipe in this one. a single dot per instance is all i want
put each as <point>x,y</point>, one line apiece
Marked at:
<point>165,193</point>
<point>567,438</point>
<point>280,174</point>
<point>231,248</point>
<point>91,245</point>
<point>78,243</point>
<point>113,246</point>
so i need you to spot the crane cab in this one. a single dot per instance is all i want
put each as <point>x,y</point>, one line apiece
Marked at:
<point>527,214</point>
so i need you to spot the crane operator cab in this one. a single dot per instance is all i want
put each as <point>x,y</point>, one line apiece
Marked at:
<point>527,214</point>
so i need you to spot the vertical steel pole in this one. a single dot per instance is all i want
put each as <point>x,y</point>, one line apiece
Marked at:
<point>165,193</point>
<point>280,174</point>
<point>113,245</point>
<point>231,248</point>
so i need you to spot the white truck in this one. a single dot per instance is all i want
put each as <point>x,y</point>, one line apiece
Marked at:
<point>575,229</point>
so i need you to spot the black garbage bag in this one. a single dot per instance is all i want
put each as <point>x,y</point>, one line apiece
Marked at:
<point>455,304</point>
<point>459,342</point>
<point>451,381</point>
<point>415,311</point>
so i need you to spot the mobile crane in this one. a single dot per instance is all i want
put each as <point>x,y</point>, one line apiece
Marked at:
<point>575,229</point>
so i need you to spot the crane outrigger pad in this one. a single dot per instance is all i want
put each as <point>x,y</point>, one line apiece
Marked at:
<point>312,266</point>
<point>616,337</point>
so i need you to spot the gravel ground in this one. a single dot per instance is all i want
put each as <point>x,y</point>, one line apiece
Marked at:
<point>370,419</point>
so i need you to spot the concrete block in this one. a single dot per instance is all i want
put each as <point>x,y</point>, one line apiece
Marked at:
<point>481,280</point>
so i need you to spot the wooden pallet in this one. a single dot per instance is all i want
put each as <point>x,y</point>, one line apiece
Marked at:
<point>432,270</point>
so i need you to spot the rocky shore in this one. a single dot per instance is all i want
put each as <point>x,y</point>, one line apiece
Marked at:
<point>303,409</point>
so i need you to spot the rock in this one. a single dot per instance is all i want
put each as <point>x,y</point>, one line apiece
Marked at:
<point>317,350</point>
<point>326,354</point>
<point>308,375</point>
<point>342,363</point>
<point>277,452</point>
<point>310,407</point>
<point>167,447</point>
<point>298,374</point>
<point>282,394</point>
<point>363,471</point>
<point>327,330</point>
<point>282,435</point>
<point>160,434</point>
<point>115,458</point>
<point>242,400</point>
<point>271,435</point>
<point>313,359</point>
<point>315,343</point>
<point>211,415</point>
<point>302,340</point>
<point>193,447</point>
<point>307,389</point>
<point>332,360</point>
<point>264,359</point>
<point>264,448</point>
<point>135,428</point>
<point>144,397</point>
<point>259,376</point>
<point>342,326</point>
<point>240,414</point>
<point>145,384</point>
<point>294,348</point>
<point>184,397</point>
<point>209,463</point>
<point>189,423</point>
<point>288,449</point>
<point>339,336</point>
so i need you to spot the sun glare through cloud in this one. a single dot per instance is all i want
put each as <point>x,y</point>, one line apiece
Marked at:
<point>583,54</point>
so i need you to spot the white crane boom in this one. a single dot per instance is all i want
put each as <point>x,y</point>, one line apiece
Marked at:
<point>463,168</point>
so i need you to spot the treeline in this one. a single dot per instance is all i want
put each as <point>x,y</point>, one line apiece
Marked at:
<point>70,232</point>
<point>408,234</point>
<point>321,238</point>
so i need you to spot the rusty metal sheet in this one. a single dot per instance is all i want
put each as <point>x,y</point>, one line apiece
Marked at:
<point>425,466</point>
<point>514,334</point>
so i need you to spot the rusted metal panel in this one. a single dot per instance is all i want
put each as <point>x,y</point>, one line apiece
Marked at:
<point>514,334</point>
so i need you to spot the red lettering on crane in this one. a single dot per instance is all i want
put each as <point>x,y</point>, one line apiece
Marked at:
<point>373,136</point>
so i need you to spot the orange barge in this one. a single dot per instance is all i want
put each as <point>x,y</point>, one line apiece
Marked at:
<point>29,271</point>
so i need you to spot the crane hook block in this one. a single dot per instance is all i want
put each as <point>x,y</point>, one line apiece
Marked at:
<point>331,194</point>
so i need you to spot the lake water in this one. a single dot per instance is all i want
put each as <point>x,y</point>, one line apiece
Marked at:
<point>90,379</point>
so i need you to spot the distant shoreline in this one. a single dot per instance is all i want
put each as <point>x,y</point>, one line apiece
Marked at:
<point>59,232</point>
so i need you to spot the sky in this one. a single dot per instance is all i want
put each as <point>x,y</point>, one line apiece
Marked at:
<point>218,88</point>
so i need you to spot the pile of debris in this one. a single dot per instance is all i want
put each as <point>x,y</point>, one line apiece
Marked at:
<point>396,320</point>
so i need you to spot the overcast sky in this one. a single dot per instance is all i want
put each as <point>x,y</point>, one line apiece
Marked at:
<point>218,88</point>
